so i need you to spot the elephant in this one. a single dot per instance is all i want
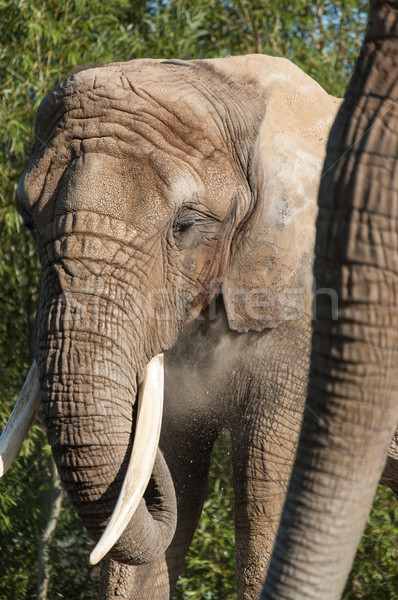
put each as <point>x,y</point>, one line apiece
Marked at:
<point>173,204</point>
<point>352,402</point>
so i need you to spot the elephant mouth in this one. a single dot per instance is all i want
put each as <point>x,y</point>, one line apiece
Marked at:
<point>142,459</point>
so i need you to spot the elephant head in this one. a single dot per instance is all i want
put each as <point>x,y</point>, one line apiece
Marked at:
<point>153,187</point>
<point>352,404</point>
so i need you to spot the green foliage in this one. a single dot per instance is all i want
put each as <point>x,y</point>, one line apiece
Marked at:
<point>209,568</point>
<point>373,574</point>
<point>24,506</point>
<point>72,576</point>
<point>41,41</point>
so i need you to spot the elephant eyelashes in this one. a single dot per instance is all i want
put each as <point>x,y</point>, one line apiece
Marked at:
<point>193,226</point>
<point>182,227</point>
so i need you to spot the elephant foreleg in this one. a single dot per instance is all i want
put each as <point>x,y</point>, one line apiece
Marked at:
<point>264,442</point>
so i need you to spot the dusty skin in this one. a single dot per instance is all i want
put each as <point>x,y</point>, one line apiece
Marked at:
<point>352,404</point>
<point>174,204</point>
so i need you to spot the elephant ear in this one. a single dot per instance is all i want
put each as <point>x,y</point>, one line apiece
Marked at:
<point>269,275</point>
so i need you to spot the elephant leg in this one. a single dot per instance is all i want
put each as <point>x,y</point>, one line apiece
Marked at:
<point>263,445</point>
<point>186,448</point>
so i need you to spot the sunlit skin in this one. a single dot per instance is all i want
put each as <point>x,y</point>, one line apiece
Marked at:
<point>173,205</point>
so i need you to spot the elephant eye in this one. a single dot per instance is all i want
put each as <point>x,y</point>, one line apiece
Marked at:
<point>183,222</point>
<point>183,226</point>
<point>193,227</point>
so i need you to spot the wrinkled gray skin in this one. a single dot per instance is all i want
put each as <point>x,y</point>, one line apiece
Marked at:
<point>352,402</point>
<point>173,204</point>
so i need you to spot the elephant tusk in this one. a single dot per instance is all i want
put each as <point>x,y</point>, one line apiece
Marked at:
<point>149,420</point>
<point>20,421</point>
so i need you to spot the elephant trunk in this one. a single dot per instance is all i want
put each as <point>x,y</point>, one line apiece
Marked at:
<point>89,360</point>
<point>352,404</point>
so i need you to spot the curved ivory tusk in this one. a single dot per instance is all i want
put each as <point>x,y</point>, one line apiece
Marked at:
<point>20,421</point>
<point>149,420</point>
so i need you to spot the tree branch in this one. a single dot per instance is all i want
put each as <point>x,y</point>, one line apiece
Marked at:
<point>56,497</point>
